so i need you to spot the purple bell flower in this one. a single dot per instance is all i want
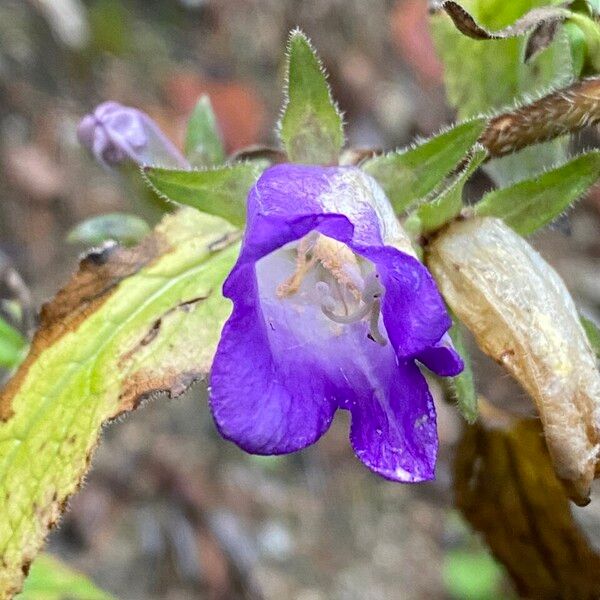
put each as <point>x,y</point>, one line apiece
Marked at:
<point>331,310</point>
<point>114,133</point>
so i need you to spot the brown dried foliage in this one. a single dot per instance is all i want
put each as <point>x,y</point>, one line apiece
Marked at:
<point>505,485</point>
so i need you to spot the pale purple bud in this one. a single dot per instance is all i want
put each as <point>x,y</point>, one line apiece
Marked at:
<point>114,134</point>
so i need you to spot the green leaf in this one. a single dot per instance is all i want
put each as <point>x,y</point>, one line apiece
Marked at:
<point>445,207</point>
<point>470,575</point>
<point>528,205</point>
<point>489,75</point>
<point>591,33</point>
<point>593,334</point>
<point>591,7</point>
<point>462,387</point>
<point>220,191</point>
<point>203,145</point>
<point>130,323</point>
<point>12,345</point>
<point>110,24</point>
<point>311,128</point>
<point>411,174</point>
<point>121,227</point>
<point>577,44</point>
<point>50,579</point>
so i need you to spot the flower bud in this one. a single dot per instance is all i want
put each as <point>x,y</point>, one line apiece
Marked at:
<point>114,133</point>
<point>522,316</point>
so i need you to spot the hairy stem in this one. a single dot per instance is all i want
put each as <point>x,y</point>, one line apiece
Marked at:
<point>564,111</point>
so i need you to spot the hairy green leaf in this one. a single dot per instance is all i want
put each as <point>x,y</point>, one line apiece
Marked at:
<point>203,145</point>
<point>130,323</point>
<point>462,387</point>
<point>411,174</point>
<point>593,333</point>
<point>50,579</point>
<point>311,128</point>
<point>121,227</point>
<point>442,209</point>
<point>485,75</point>
<point>529,205</point>
<point>219,191</point>
<point>12,345</point>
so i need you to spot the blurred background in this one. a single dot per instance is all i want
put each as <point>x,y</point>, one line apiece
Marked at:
<point>169,509</point>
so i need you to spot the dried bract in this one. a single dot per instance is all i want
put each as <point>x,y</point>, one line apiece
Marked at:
<point>522,315</point>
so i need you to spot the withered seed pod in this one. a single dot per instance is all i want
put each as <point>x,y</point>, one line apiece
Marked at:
<point>523,316</point>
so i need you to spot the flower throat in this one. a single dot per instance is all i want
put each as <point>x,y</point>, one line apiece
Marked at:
<point>346,294</point>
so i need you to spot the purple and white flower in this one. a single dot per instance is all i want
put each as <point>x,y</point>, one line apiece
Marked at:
<point>114,134</point>
<point>331,309</point>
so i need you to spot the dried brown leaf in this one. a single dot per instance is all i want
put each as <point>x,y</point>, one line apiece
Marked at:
<point>541,22</point>
<point>505,485</point>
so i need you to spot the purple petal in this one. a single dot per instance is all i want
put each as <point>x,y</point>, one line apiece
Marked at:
<point>393,430</point>
<point>282,368</point>
<point>442,358</point>
<point>115,133</point>
<point>289,201</point>
<point>269,393</point>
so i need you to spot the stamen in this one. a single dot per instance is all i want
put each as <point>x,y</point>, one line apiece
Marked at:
<point>374,333</point>
<point>304,263</point>
<point>346,286</point>
<point>371,298</point>
<point>354,317</point>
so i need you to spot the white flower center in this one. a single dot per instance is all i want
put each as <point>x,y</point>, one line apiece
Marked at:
<point>347,286</point>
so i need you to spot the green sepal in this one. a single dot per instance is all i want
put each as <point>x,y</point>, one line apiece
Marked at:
<point>203,144</point>
<point>593,333</point>
<point>311,128</point>
<point>528,205</point>
<point>445,207</point>
<point>462,387</point>
<point>121,227</point>
<point>220,191</point>
<point>410,175</point>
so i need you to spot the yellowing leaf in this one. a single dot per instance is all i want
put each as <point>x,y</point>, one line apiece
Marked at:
<point>130,323</point>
